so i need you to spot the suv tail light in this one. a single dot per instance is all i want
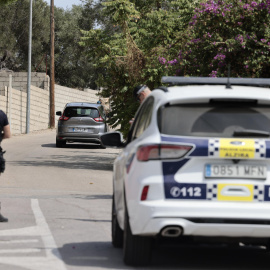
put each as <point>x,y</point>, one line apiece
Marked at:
<point>63,118</point>
<point>98,119</point>
<point>162,151</point>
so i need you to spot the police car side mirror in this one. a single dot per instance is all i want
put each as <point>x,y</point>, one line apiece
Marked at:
<point>112,139</point>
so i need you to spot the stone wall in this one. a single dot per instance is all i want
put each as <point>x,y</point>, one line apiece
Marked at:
<point>13,102</point>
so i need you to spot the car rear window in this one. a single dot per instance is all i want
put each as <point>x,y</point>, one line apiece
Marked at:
<point>81,112</point>
<point>212,120</point>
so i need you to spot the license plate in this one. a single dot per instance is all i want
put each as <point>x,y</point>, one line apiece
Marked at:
<point>80,129</point>
<point>235,171</point>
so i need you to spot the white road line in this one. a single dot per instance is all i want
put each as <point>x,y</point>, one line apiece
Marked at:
<point>25,250</point>
<point>18,241</point>
<point>28,231</point>
<point>46,234</point>
<point>52,260</point>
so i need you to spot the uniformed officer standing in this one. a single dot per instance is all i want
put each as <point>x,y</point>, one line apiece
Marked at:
<point>5,134</point>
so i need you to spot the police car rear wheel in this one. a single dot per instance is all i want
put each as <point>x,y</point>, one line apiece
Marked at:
<point>117,232</point>
<point>137,249</point>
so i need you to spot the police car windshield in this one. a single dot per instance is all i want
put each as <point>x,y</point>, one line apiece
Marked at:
<point>215,120</point>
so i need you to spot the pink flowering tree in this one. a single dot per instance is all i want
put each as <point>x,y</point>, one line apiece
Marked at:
<point>235,32</point>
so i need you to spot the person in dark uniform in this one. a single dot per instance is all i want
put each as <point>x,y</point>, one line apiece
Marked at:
<point>5,134</point>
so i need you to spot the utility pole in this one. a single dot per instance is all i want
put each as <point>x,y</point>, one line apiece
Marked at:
<point>52,106</point>
<point>29,70</point>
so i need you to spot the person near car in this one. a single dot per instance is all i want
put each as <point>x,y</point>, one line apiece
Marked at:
<point>5,134</point>
<point>140,93</point>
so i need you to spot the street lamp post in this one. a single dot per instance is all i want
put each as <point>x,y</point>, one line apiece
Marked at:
<point>52,106</point>
<point>29,71</point>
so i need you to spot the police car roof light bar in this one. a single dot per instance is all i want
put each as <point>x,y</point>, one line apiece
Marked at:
<point>174,80</point>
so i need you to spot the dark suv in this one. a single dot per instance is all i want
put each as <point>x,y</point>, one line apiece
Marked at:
<point>81,122</point>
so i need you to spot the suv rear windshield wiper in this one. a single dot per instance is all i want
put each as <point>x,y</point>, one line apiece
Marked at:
<point>251,132</point>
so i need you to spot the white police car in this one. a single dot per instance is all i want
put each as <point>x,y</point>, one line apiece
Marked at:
<point>196,165</point>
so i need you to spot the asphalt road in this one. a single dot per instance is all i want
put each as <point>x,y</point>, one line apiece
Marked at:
<point>58,202</point>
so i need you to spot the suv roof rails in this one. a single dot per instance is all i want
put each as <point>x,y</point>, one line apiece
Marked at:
<point>173,80</point>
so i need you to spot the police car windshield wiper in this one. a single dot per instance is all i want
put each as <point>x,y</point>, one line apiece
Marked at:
<point>251,132</point>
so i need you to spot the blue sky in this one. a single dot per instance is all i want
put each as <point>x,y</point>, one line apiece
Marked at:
<point>64,3</point>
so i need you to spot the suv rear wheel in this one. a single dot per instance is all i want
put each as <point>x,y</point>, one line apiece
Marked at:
<point>60,143</point>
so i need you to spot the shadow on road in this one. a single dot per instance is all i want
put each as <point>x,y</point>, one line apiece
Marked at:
<point>49,145</point>
<point>87,220</point>
<point>92,197</point>
<point>74,145</point>
<point>103,255</point>
<point>90,161</point>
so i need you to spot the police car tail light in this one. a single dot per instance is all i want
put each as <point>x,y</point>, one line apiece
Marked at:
<point>63,118</point>
<point>144,193</point>
<point>162,151</point>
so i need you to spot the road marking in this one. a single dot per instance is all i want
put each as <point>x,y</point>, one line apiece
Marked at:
<point>25,250</point>
<point>52,260</point>
<point>18,241</point>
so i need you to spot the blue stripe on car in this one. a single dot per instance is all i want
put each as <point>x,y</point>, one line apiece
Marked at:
<point>201,145</point>
<point>267,143</point>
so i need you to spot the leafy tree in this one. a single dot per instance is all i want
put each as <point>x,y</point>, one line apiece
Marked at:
<point>72,68</point>
<point>225,32</point>
<point>5,2</point>
<point>142,31</point>
<point>14,34</point>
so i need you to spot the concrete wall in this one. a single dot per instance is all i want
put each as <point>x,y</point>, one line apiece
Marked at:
<point>14,103</point>
<point>19,80</point>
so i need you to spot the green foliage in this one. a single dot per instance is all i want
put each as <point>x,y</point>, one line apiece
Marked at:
<point>72,67</point>
<point>190,38</point>
<point>142,31</point>
<point>120,11</point>
<point>6,2</point>
<point>14,34</point>
<point>223,33</point>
